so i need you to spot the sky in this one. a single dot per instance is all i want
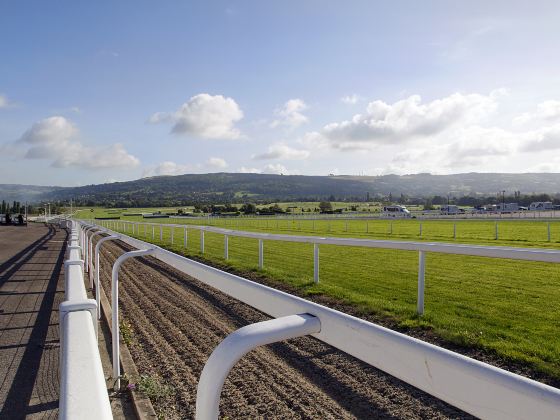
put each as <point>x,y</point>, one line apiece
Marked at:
<point>104,91</point>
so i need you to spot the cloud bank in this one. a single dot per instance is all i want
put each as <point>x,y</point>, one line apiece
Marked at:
<point>57,139</point>
<point>204,116</point>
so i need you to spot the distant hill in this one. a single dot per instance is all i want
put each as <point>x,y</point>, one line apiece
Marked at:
<point>236,187</point>
<point>23,193</point>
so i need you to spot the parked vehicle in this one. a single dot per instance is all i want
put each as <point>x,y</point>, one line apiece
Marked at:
<point>507,207</point>
<point>541,205</point>
<point>451,209</point>
<point>396,211</point>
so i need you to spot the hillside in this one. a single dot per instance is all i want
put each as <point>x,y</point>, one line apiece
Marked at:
<point>236,187</point>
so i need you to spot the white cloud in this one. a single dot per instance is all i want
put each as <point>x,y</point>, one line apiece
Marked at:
<point>245,170</point>
<point>282,151</point>
<point>290,115</point>
<point>547,111</point>
<point>4,103</point>
<point>172,168</point>
<point>273,168</point>
<point>204,116</point>
<point>406,120</point>
<point>547,138</point>
<point>350,99</point>
<point>167,168</point>
<point>56,139</point>
<point>216,162</point>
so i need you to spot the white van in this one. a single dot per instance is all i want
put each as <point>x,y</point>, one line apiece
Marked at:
<point>450,209</point>
<point>395,211</point>
<point>541,205</point>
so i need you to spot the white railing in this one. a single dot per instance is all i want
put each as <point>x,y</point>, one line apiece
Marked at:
<point>83,392</point>
<point>513,253</point>
<point>475,387</point>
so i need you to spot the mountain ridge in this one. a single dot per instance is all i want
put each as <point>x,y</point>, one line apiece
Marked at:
<point>239,187</point>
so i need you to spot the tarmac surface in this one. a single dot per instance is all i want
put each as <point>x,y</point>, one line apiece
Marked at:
<point>31,288</point>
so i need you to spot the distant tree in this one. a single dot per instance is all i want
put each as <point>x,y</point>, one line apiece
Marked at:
<point>249,208</point>
<point>428,205</point>
<point>325,206</point>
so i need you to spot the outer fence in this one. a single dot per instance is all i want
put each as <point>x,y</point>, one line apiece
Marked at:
<point>475,387</point>
<point>83,392</point>
<point>527,254</point>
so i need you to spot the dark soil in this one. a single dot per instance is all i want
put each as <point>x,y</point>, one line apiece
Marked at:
<point>177,322</point>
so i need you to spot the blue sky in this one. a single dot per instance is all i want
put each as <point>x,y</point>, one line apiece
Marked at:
<point>94,92</point>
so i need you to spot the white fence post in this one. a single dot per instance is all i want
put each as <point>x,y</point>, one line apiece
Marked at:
<point>226,247</point>
<point>420,234</point>
<point>97,286</point>
<point>235,346</point>
<point>160,233</point>
<point>454,230</point>
<point>421,278</point>
<point>261,254</point>
<point>153,232</point>
<point>185,237</point>
<point>316,262</point>
<point>201,241</point>
<point>172,231</point>
<point>115,311</point>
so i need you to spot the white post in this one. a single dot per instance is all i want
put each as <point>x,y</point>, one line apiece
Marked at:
<point>153,232</point>
<point>201,241</point>
<point>226,247</point>
<point>97,289</point>
<point>115,310</point>
<point>421,274</point>
<point>160,233</point>
<point>185,237</point>
<point>235,346</point>
<point>548,229</point>
<point>261,254</point>
<point>420,229</point>
<point>454,230</point>
<point>91,259</point>
<point>316,262</point>
<point>172,231</point>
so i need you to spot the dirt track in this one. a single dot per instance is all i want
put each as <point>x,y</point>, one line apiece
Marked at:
<point>178,321</point>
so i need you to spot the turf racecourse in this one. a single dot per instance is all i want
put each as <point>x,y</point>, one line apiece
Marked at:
<point>511,308</point>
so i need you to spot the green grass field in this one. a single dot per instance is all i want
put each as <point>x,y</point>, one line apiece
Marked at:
<point>508,307</point>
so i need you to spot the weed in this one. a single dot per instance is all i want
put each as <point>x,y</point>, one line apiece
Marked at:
<point>154,388</point>
<point>127,334</point>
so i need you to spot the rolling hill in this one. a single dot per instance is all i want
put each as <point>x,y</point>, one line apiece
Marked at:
<point>237,187</point>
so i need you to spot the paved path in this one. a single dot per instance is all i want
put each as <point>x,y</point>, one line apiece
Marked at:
<point>31,288</point>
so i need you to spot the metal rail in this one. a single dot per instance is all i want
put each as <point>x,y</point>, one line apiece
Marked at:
<point>83,392</point>
<point>473,386</point>
<point>527,254</point>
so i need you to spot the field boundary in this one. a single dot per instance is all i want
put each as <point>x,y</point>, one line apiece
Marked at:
<point>470,385</point>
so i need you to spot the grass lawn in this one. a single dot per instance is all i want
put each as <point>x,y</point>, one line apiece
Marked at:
<point>509,307</point>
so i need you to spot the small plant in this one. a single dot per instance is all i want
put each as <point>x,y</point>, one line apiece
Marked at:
<point>126,332</point>
<point>154,388</point>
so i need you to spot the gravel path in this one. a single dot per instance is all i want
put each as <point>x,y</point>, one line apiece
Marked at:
<point>177,321</point>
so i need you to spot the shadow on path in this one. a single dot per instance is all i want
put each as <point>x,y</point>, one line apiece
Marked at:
<point>18,397</point>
